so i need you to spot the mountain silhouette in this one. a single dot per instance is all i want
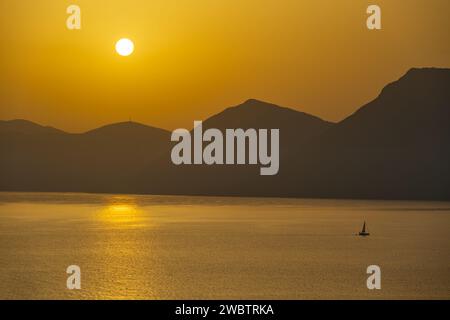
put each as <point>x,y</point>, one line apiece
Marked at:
<point>413,110</point>
<point>20,127</point>
<point>296,128</point>
<point>36,158</point>
<point>258,114</point>
<point>395,147</point>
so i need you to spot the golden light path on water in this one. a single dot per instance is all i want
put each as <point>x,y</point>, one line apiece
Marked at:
<point>173,247</point>
<point>121,210</point>
<point>126,254</point>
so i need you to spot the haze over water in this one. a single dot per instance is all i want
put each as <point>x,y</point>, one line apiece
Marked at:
<point>168,247</point>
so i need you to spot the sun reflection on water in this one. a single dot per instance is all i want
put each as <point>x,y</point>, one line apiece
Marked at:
<point>124,250</point>
<point>121,211</point>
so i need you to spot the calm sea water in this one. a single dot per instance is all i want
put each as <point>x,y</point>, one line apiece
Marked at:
<point>164,247</point>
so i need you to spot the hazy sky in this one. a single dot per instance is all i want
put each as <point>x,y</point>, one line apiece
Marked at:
<point>193,58</point>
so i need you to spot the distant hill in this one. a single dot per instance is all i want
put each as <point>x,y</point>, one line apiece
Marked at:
<point>36,158</point>
<point>296,128</point>
<point>395,147</point>
<point>19,127</point>
<point>258,114</point>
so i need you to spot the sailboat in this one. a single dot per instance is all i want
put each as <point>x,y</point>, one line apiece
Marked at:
<point>363,232</point>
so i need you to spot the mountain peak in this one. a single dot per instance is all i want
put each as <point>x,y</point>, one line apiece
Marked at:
<point>419,78</point>
<point>420,82</point>
<point>411,110</point>
<point>255,113</point>
<point>269,111</point>
<point>257,107</point>
<point>425,70</point>
<point>255,103</point>
<point>122,128</point>
<point>252,101</point>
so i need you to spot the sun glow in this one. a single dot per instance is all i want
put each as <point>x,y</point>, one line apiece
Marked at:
<point>121,214</point>
<point>121,211</point>
<point>124,47</point>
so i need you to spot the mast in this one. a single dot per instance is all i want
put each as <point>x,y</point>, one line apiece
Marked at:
<point>364,227</point>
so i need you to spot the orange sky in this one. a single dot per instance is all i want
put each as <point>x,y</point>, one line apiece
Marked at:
<point>193,58</point>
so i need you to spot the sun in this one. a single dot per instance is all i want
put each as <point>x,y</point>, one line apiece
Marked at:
<point>124,47</point>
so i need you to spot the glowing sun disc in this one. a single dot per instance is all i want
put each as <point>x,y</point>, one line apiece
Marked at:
<point>124,47</point>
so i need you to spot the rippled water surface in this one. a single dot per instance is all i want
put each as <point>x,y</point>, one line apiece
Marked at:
<point>164,247</point>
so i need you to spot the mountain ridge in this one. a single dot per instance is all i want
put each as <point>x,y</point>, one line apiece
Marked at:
<point>394,147</point>
<point>246,104</point>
